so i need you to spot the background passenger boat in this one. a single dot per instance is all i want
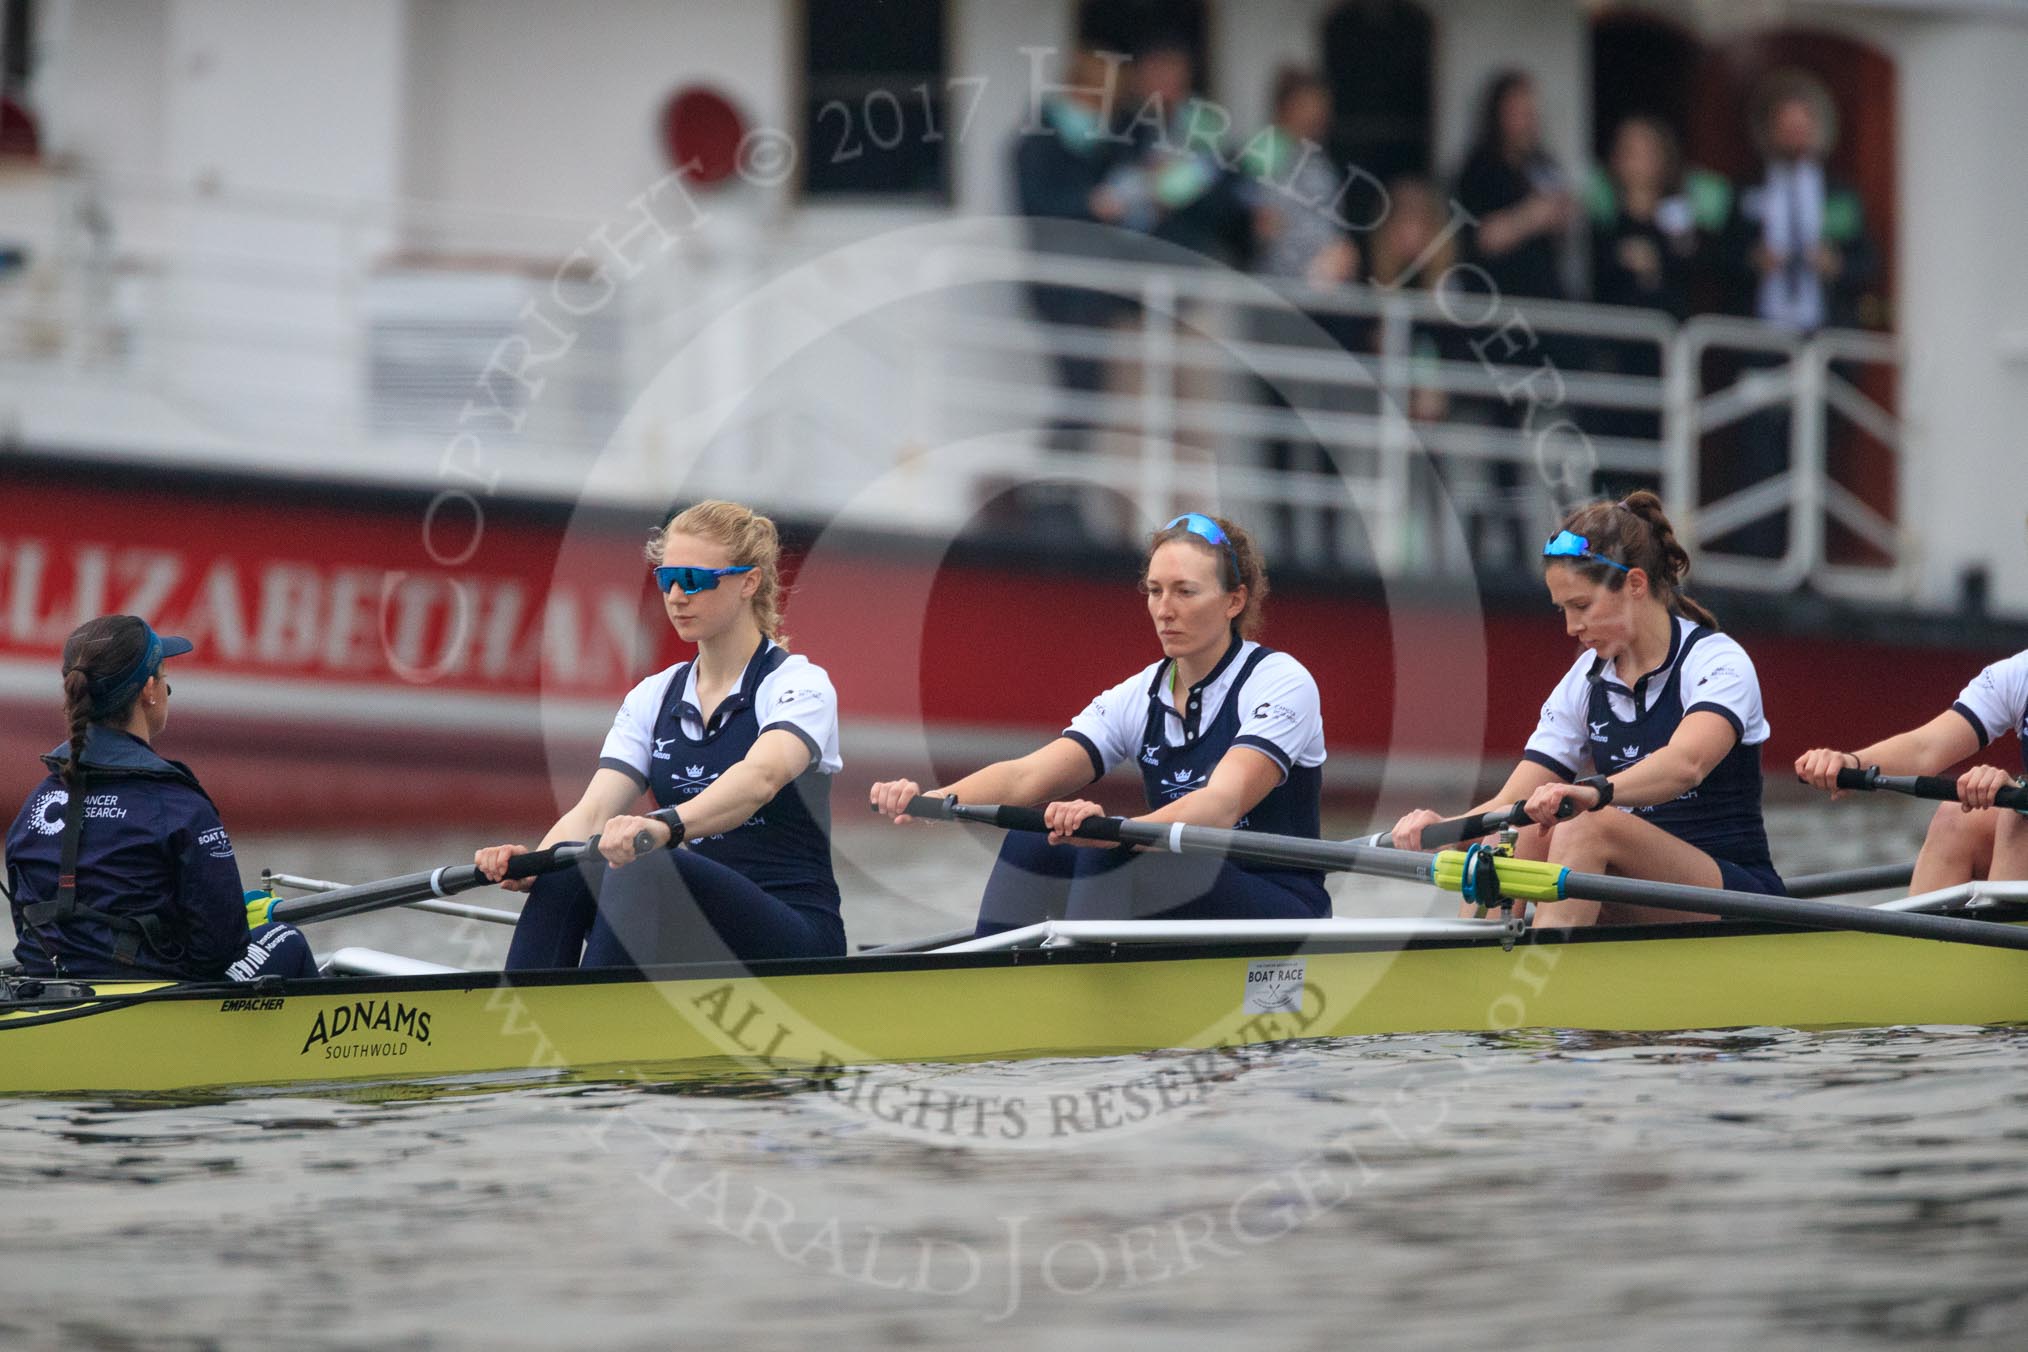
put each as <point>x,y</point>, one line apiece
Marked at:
<point>1225,732</point>
<point>1970,839</point>
<point>1662,708</point>
<point>742,742</point>
<point>117,863</point>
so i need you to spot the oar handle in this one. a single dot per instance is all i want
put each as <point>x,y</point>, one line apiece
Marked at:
<point>537,862</point>
<point>1933,787</point>
<point>1006,818</point>
<point>1485,823</point>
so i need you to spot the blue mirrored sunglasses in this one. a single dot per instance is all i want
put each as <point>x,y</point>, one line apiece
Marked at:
<point>695,580</point>
<point>1209,531</point>
<point>1568,545</point>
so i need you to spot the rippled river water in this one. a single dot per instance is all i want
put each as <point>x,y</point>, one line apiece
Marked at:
<point>1761,1187</point>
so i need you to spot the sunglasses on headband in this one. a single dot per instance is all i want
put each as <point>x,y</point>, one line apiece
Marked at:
<point>1569,545</point>
<point>1209,531</point>
<point>694,580</point>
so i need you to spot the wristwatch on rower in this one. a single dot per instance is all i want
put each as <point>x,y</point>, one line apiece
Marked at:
<point>1599,785</point>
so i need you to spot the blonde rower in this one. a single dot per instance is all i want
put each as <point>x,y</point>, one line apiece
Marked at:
<point>743,742</point>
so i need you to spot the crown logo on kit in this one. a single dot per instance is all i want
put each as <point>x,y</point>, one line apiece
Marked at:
<point>694,771</point>
<point>1630,752</point>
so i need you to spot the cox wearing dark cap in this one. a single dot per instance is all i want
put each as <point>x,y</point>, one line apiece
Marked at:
<point>117,864</point>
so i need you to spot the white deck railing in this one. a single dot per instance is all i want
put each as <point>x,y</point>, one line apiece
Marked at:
<point>255,331</point>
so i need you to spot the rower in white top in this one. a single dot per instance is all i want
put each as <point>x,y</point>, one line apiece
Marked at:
<point>1971,838</point>
<point>1663,708</point>
<point>1224,732</point>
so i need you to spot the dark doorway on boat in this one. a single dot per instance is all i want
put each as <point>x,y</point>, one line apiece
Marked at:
<point>1378,59</point>
<point>1641,66</point>
<point>1131,26</point>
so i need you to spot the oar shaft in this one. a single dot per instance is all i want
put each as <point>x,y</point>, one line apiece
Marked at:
<point>1791,910</point>
<point>1843,882</point>
<point>442,882</point>
<point>1294,851</point>
<point>1253,846</point>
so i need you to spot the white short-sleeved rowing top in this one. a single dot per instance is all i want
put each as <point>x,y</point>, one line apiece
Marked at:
<point>1717,676</point>
<point>797,695</point>
<point>1996,702</point>
<point>1280,712</point>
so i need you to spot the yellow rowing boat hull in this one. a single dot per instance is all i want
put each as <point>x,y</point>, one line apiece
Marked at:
<point>856,1011</point>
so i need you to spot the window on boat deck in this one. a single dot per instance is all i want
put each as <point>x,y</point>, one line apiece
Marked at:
<point>876,102</point>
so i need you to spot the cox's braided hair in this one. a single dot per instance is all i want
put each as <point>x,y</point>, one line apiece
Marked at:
<point>101,649</point>
<point>1634,531</point>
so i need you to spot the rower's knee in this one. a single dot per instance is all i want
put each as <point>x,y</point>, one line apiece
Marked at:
<point>1963,838</point>
<point>1582,839</point>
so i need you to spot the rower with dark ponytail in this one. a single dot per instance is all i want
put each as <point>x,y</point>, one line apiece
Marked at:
<point>117,863</point>
<point>1635,531</point>
<point>1659,715</point>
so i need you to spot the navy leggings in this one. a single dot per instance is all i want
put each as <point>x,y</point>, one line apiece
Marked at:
<point>1033,881</point>
<point>670,906</point>
<point>274,949</point>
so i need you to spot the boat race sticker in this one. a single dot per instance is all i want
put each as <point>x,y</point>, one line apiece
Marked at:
<point>1274,986</point>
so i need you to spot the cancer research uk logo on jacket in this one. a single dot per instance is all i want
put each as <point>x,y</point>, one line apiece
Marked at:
<point>45,815</point>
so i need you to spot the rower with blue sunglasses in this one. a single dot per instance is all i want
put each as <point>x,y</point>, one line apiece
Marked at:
<point>1662,711</point>
<point>737,747</point>
<point>1223,731</point>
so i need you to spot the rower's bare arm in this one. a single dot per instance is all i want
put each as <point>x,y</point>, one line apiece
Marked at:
<point>1242,777</point>
<point>1043,775</point>
<point>777,757</point>
<point>1935,746</point>
<point>608,794</point>
<point>1702,740</point>
<point>1528,776</point>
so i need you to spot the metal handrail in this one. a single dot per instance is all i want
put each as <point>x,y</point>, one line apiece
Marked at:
<point>1187,352</point>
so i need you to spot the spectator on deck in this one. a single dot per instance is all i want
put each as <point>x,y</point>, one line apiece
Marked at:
<point>1519,194</point>
<point>1800,237</point>
<point>1299,239</point>
<point>1292,184</point>
<point>1411,251</point>
<point>1800,247</point>
<point>1644,241</point>
<point>1171,182</point>
<point>1524,209</point>
<point>1059,161</point>
<point>1644,249</point>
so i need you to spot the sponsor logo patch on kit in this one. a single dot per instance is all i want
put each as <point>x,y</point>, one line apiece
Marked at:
<point>46,815</point>
<point>1274,986</point>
